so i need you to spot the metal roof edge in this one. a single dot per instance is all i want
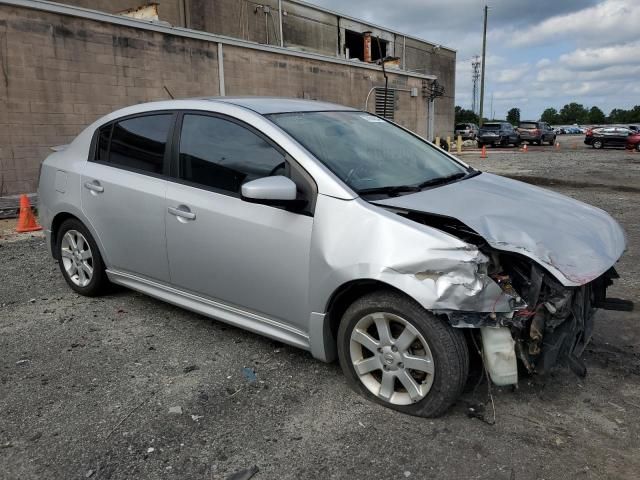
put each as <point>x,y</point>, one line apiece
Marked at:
<point>73,11</point>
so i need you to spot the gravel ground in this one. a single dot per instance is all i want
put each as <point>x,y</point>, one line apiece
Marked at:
<point>89,388</point>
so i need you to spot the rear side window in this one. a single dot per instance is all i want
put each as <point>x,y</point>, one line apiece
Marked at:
<point>223,155</point>
<point>138,143</point>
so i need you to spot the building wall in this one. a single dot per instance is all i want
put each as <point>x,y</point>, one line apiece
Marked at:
<point>305,28</point>
<point>60,73</point>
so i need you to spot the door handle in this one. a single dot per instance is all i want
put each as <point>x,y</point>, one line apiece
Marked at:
<point>182,212</point>
<point>94,186</point>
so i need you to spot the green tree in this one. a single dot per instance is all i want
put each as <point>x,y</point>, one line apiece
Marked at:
<point>574,113</point>
<point>465,116</point>
<point>596,116</point>
<point>550,116</point>
<point>513,116</point>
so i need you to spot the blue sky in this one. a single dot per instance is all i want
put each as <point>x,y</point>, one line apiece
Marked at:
<point>541,53</point>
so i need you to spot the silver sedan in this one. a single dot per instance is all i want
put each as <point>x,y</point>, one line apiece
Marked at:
<point>335,231</point>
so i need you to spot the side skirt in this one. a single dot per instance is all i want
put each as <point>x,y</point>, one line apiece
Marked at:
<point>225,313</point>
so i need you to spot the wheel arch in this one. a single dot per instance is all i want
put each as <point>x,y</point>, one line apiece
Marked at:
<point>324,339</point>
<point>58,220</point>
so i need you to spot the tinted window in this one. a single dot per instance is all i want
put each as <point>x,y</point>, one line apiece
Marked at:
<point>140,142</point>
<point>102,150</point>
<point>491,126</point>
<point>462,126</point>
<point>221,154</point>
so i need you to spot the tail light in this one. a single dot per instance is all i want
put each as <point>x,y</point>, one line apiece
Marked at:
<point>589,132</point>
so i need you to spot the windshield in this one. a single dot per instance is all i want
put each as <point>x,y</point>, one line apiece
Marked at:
<point>491,126</point>
<point>367,152</point>
<point>462,126</point>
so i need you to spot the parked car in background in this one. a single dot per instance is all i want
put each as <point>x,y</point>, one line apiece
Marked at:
<point>635,128</point>
<point>607,137</point>
<point>559,130</point>
<point>536,133</point>
<point>633,141</point>
<point>468,131</point>
<point>498,134</point>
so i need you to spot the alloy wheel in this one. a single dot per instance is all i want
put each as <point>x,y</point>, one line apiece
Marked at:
<point>391,358</point>
<point>77,258</point>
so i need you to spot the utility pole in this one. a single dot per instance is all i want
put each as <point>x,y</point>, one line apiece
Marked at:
<point>484,62</point>
<point>475,75</point>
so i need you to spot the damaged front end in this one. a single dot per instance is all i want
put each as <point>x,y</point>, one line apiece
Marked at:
<point>548,323</point>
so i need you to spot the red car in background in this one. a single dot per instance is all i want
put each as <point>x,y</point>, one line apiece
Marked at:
<point>633,141</point>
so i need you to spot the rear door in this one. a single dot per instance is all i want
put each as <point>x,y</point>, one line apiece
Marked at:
<point>123,193</point>
<point>620,137</point>
<point>221,247</point>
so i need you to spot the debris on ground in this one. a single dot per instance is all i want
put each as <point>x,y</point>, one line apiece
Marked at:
<point>25,362</point>
<point>176,410</point>
<point>190,368</point>
<point>249,374</point>
<point>244,474</point>
<point>89,473</point>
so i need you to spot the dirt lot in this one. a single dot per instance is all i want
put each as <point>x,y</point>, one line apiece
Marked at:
<point>88,386</point>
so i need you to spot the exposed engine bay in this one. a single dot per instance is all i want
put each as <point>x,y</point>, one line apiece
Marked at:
<point>550,324</point>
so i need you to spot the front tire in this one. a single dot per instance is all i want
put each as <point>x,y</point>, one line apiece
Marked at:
<point>395,353</point>
<point>597,144</point>
<point>80,260</point>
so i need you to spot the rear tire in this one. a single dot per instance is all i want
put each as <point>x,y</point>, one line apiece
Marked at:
<point>420,339</point>
<point>637,147</point>
<point>80,260</point>
<point>597,144</point>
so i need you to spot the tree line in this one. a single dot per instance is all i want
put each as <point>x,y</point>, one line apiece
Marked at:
<point>568,115</point>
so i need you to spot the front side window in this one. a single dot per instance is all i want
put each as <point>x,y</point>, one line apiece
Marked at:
<point>138,143</point>
<point>367,152</point>
<point>223,155</point>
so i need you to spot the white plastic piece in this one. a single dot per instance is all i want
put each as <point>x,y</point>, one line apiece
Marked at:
<point>499,355</point>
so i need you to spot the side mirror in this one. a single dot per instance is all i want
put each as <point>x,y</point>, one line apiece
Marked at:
<point>277,190</point>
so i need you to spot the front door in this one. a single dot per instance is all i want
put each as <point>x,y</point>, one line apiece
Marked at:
<point>123,194</point>
<point>247,255</point>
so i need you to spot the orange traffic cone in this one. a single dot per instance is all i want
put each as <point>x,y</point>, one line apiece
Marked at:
<point>484,152</point>
<point>26,221</point>
<point>525,148</point>
<point>557,145</point>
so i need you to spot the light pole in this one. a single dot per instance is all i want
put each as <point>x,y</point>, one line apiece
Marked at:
<point>484,58</point>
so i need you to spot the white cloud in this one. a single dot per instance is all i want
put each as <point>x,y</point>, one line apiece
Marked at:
<point>609,22</point>
<point>598,58</point>
<point>511,75</point>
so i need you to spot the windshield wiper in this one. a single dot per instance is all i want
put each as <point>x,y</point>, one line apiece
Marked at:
<point>392,190</point>
<point>395,190</point>
<point>447,179</point>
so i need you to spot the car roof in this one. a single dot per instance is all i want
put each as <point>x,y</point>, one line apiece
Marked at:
<point>268,105</point>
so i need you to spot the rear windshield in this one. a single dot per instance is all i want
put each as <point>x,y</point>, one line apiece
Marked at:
<point>491,126</point>
<point>461,126</point>
<point>528,125</point>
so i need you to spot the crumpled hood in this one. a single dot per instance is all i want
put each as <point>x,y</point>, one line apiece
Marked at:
<point>574,241</point>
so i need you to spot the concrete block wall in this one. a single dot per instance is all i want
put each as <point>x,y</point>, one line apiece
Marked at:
<point>62,73</point>
<point>305,28</point>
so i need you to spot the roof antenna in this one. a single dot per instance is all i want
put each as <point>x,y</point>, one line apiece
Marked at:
<point>168,92</point>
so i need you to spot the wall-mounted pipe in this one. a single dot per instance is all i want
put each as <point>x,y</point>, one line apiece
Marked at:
<point>280,22</point>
